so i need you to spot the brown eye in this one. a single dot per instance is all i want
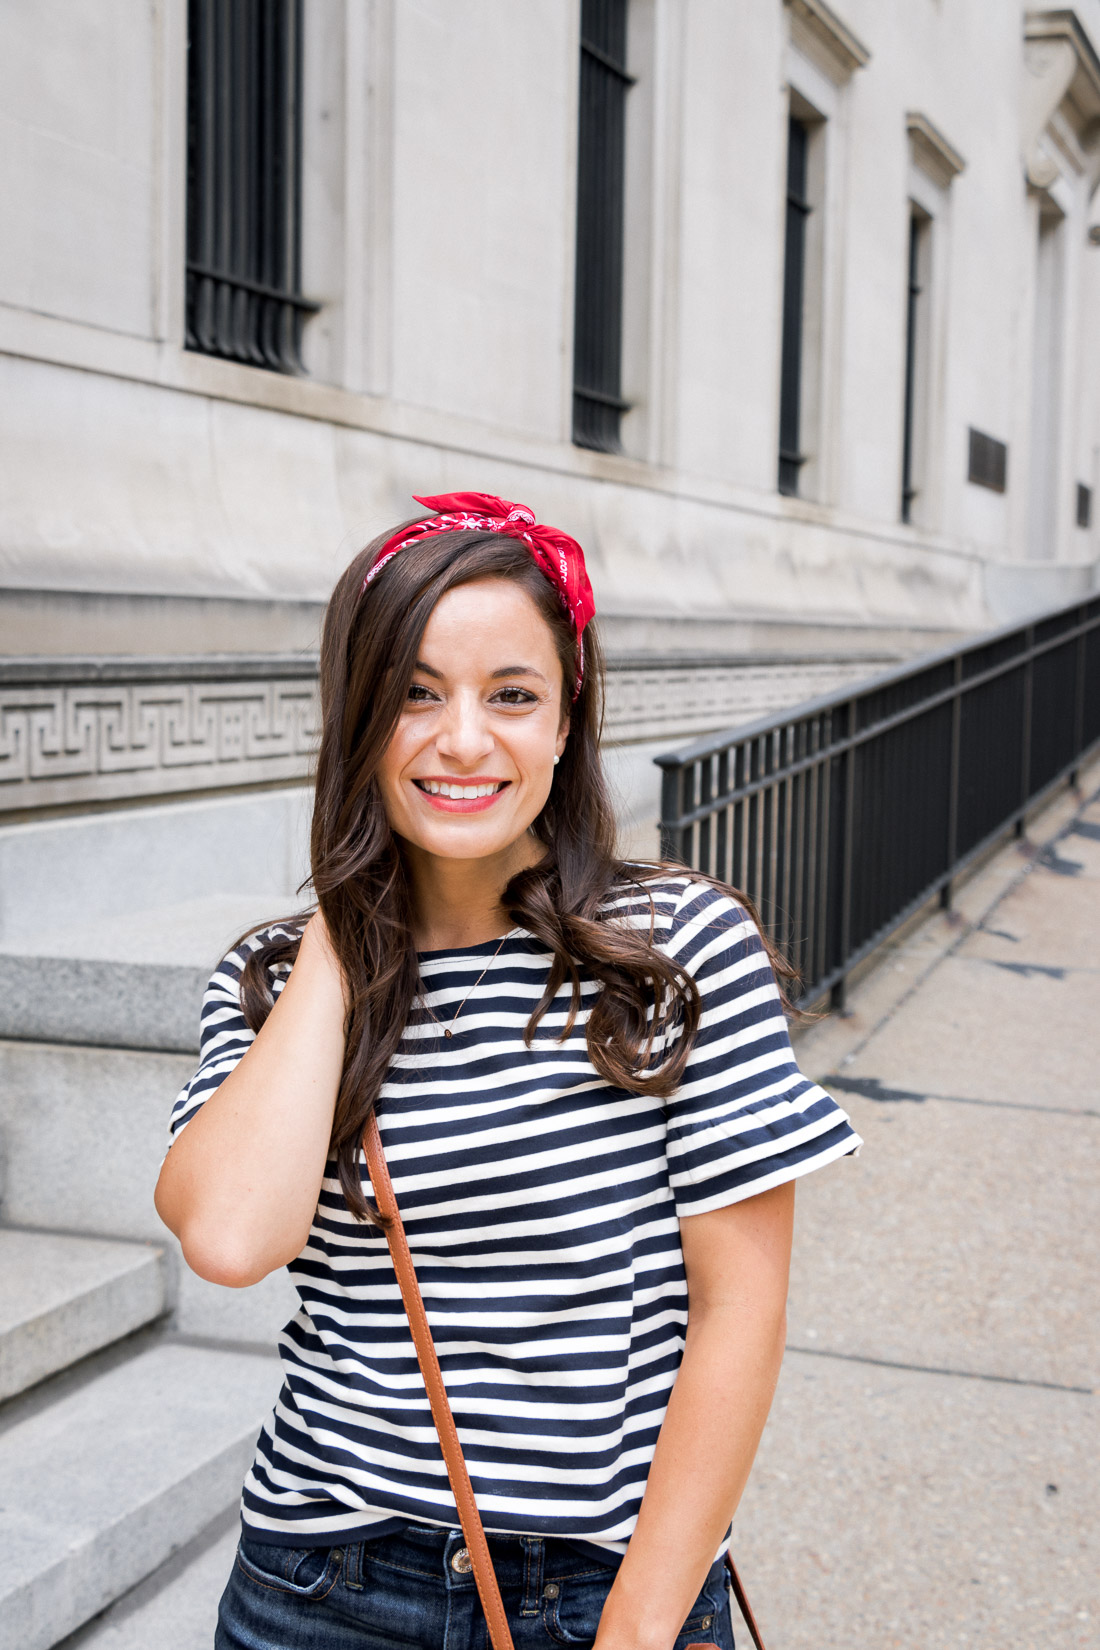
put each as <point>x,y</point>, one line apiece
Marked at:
<point>515,696</point>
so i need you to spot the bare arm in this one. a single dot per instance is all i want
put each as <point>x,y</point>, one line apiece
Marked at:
<point>737,1261</point>
<point>239,1187</point>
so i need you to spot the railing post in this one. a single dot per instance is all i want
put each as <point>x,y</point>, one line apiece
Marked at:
<point>670,804</point>
<point>1025,729</point>
<point>848,848</point>
<point>1080,663</point>
<point>703,856</point>
<point>686,833</point>
<point>954,777</point>
<point>721,829</point>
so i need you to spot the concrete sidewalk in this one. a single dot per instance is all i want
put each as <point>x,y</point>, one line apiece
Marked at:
<point>929,1476</point>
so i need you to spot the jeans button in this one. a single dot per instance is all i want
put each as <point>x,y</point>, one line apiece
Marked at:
<point>462,1562</point>
<point>706,1621</point>
<point>551,1590</point>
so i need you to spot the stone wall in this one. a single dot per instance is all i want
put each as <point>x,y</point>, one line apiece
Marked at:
<point>441,359</point>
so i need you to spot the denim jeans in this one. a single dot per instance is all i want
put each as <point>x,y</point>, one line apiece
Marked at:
<point>414,1590</point>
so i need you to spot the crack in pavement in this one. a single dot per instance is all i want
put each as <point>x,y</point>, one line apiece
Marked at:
<point>873,1088</point>
<point>935,1369</point>
<point>1049,971</point>
<point>1051,860</point>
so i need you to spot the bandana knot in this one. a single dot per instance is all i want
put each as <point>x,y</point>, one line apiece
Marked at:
<point>558,557</point>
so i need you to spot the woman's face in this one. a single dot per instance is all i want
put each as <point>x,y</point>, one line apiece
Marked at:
<point>471,761</point>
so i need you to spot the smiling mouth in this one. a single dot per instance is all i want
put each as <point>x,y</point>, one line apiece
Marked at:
<point>460,793</point>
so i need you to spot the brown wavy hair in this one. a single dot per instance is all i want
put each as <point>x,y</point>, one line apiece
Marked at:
<point>369,647</point>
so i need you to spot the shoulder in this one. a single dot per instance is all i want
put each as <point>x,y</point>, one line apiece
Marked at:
<point>223,1019</point>
<point>686,915</point>
<point>274,938</point>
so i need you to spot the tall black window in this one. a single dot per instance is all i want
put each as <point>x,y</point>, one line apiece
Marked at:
<point>598,404</point>
<point>244,141</point>
<point>917,231</point>
<point>794,294</point>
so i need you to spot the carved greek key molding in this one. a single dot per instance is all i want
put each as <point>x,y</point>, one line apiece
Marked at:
<point>73,743</point>
<point>680,701</point>
<point>74,733</point>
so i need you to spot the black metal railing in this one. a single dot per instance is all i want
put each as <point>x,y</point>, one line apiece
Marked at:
<point>244,167</point>
<point>598,403</point>
<point>843,817</point>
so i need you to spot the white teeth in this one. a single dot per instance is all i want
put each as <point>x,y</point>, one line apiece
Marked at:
<point>465,793</point>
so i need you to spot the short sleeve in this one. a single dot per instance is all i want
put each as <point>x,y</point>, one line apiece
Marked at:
<point>224,1034</point>
<point>744,1118</point>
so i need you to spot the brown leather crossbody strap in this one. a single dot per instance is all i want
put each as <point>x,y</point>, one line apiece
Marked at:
<point>468,1515</point>
<point>743,1604</point>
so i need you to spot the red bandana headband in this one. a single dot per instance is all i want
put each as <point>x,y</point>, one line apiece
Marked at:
<point>556,555</point>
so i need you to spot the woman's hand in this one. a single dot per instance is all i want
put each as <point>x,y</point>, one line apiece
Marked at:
<point>737,1261</point>
<point>240,1185</point>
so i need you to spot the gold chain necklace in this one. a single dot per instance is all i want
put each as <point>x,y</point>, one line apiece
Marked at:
<point>448,1031</point>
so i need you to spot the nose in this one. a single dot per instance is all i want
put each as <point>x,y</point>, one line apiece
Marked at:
<point>464,734</point>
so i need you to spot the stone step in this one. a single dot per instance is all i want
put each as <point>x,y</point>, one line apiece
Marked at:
<point>83,1132</point>
<point>130,980</point>
<point>101,1003</point>
<point>176,1608</point>
<point>64,1297</point>
<point>112,921</point>
<point>104,1484</point>
<point>81,875</point>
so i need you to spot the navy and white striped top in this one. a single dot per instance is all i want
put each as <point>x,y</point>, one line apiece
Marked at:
<point>541,1206</point>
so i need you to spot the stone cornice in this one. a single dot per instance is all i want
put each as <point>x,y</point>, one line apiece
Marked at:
<point>931,151</point>
<point>834,41</point>
<point>1063,74</point>
<point>88,669</point>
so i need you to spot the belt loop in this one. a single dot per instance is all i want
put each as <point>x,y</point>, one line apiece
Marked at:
<point>533,1565</point>
<point>455,1544</point>
<point>353,1566</point>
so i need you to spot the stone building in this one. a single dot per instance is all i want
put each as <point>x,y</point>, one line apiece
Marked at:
<point>785,309</point>
<point>611,259</point>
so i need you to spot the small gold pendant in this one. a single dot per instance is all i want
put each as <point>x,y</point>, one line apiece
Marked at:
<point>447,1032</point>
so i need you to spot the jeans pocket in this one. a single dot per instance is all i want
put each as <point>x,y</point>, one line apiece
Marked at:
<point>303,1572</point>
<point>709,1621</point>
<point>572,1607</point>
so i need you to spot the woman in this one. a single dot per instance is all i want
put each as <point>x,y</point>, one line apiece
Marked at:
<point>592,1117</point>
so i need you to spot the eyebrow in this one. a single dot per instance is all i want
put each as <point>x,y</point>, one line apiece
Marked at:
<point>506,670</point>
<point>518,670</point>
